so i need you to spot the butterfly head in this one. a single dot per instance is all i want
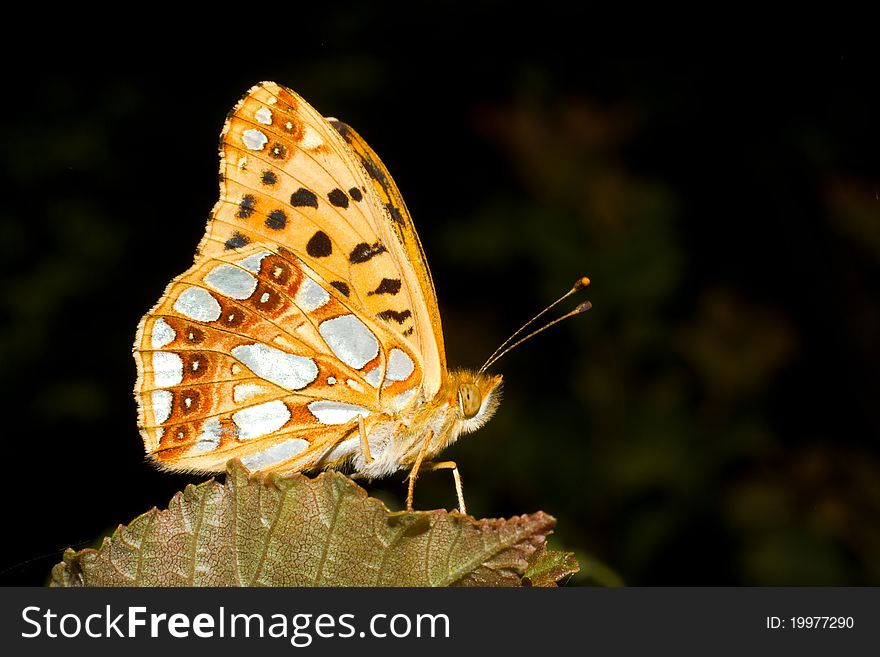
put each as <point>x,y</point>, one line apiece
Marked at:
<point>477,395</point>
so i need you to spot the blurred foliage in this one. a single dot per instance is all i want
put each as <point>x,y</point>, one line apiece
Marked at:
<point>713,419</point>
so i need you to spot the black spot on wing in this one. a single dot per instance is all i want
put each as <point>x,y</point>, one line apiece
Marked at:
<point>304,198</point>
<point>268,178</point>
<point>394,212</point>
<point>355,194</point>
<point>276,220</point>
<point>374,172</point>
<point>399,317</point>
<point>338,198</point>
<point>319,245</point>
<point>364,252</point>
<point>246,207</point>
<point>342,286</point>
<point>342,129</point>
<point>387,286</point>
<point>237,241</point>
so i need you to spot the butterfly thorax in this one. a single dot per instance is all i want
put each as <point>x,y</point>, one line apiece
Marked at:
<point>465,402</point>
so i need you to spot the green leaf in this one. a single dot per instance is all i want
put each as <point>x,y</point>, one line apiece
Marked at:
<point>299,531</point>
<point>546,568</point>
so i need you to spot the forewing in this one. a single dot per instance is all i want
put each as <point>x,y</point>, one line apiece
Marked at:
<point>292,177</point>
<point>398,231</point>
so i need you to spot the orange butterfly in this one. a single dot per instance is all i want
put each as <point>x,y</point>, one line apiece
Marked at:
<point>306,335</point>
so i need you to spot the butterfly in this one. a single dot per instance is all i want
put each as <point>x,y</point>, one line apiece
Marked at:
<point>307,334</point>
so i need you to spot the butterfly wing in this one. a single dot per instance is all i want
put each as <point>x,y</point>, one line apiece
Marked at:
<point>252,355</point>
<point>290,176</point>
<point>304,309</point>
<point>398,230</point>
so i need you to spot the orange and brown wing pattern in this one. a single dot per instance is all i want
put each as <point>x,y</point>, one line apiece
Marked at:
<point>289,178</point>
<point>253,355</point>
<point>399,232</point>
<point>307,309</point>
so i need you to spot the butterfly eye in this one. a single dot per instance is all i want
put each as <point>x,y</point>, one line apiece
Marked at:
<point>469,400</point>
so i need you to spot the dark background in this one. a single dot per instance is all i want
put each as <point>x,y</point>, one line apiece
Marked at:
<point>713,419</point>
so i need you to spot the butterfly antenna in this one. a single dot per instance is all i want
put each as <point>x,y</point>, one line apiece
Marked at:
<point>580,284</point>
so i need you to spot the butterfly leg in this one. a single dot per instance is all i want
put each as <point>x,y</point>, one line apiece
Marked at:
<point>414,473</point>
<point>449,465</point>
<point>365,444</point>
